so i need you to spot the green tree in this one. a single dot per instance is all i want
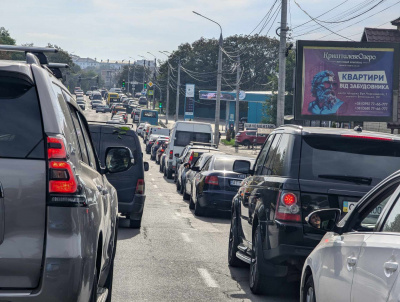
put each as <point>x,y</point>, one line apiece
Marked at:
<point>6,39</point>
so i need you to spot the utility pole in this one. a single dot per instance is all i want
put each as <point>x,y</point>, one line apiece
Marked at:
<point>282,67</point>
<point>134,76</point>
<point>237,100</point>
<point>129,69</point>
<point>218,100</point>
<point>154,80</point>
<point>144,68</point>
<point>167,109</point>
<point>178,87</point>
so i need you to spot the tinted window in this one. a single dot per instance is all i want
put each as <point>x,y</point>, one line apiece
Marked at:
<point>392,223</point>
<point>263,154</point>
<point>224,164</point>
<point>96,97</point>
<point>183,138</point>
<point>328,155</point>
<point>89,146</point>
<point>280,164</point>
<point>251,133</point>
<point>149,114</point>
<point>21,133</point>
<point>270,156</point>
<point>81,139</point>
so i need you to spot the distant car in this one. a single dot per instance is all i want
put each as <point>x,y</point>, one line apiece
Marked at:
<point>216,184</point>
<point>80,98</point>
<point>103,108</point>
<point>163,160</point>
<point>160,152</point>
<point>248,138</point>
<point>89,93</point>
<point>81,104</point>
<point>157,144</point>
<point>118,109</point>
<point>116,121</point>
<point>96,103</point>
<point>142,100</point>
<point>140,128</point>
<point>96,95</point>
<point>150,142</point>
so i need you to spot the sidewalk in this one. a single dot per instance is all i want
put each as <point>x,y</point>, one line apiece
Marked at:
<point>242,151</point>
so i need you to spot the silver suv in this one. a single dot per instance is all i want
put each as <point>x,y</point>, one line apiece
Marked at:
<point>58,212</point>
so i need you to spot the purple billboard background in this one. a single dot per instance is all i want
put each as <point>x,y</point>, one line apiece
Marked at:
<point>359,91</point>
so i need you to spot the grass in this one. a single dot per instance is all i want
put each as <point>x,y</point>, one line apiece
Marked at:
<point>228,143</point>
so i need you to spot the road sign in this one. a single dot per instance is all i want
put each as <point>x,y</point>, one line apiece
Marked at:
<point>151,92</point>
<point>150,84</point>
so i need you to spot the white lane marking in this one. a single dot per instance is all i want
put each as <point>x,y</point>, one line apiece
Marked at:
<point>208,280</point>
<point>186,238</point>
<point>152,179</point>
<point>155,186</point>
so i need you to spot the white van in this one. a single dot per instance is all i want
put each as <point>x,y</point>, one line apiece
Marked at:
<point>181,135</point>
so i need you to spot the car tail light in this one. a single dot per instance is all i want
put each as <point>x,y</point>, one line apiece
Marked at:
<point>211,180</point>
<point>368,137</point>
<point>190,158</point>
<point>61,177</point>
<point>140,186</point>
<point>171,154</point>
<point>162,150</point>
<point>287,207</point>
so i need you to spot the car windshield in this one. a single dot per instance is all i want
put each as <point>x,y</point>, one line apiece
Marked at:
<point>183,138</point>
<point>338,159</point>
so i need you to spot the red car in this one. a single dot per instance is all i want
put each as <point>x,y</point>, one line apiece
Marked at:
<point>248,138</point>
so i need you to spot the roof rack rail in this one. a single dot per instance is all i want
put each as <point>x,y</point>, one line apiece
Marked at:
<point>292,126</point>
<point>203,144</point>
<point>56,69</point>
<point>37,51</point>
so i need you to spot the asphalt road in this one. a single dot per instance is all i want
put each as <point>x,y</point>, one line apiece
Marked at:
<point>176,256</point>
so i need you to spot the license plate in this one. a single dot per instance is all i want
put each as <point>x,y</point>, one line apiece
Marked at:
<point>348,206</point>
<point>236,183</point>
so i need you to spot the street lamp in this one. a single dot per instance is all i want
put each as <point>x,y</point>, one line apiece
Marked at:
<point>154,78</point>
<point>167,105</point>
<point>219,77</point>
<point>144,74</point>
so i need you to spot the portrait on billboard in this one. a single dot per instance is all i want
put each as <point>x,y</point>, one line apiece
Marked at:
<point>346,81</point>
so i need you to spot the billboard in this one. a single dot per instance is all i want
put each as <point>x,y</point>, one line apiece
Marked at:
<point>189,102</point>
<point>347,81</point>
<point>225,96</point>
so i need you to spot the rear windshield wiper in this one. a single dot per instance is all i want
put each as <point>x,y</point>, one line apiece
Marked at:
<point>350,178</point>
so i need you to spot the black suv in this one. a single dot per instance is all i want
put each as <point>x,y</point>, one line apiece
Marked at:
<point>297,171</point>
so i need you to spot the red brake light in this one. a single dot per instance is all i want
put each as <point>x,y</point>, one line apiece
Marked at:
<point>368,137</point>
<point>140,186</point>
<point>56,148</point>
<point>62,179</point>
<point>162,150</point>
<point>190,158</point>
<point>287,208</point>
<point>212,180</point>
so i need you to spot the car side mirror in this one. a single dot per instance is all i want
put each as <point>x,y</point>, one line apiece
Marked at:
<point>242,166</point>
<point>146,166</point>
<point>196,169</point>
<point>118,159</point>
<point>324,219</point>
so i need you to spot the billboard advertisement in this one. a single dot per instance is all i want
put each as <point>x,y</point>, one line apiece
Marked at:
<point>225,96</point>
<point>347,81</point>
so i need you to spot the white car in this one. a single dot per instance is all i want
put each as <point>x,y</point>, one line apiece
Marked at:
<point>358,259</point>
<point>140,128</point>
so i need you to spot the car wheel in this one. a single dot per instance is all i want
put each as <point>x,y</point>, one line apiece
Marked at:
<point>169,174</point>
<point>191,203</point>
<point>233,243</point>
<point>309,290</point>
<point>259,284</point>
<point>165,171</point>
<point>110,277</point>
<point>246,143</point>
<point>181,190</point>
<point>198,209</point>
<point>185,195</point>
<point>178,186</point>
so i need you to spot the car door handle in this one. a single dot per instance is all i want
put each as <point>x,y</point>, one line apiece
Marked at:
<point>390,267</point>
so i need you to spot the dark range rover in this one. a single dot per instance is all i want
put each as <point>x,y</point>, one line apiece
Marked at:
<point>300,170</point>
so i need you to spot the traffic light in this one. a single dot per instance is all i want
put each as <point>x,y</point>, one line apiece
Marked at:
<point>160,105</point>
<point>123,83</point>
<point>145,85</point>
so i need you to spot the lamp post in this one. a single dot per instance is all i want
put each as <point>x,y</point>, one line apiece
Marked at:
<point>154,78</point>
<point>219,77</point>
<point>167,105</point>
<point>144,74</point>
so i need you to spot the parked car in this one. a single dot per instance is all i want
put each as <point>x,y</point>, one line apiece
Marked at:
<point>81,104</point>
<point>248,138</point>
<point>157,144</point>
<point>53,191</point>
<point>96,103</point>
<point>181,135</point>
<point>216,184</point>
<point>130,185</point>
<point>160,152</point>
<point>180,158</point>
<point>357,260</point>
<point>191,174</point>
<point>103,108</point>
<point>298,171</point>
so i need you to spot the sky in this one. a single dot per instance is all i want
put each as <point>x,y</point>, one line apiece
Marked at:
<point>128,29</point>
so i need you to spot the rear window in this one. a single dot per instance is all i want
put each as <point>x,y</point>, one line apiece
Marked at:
<point>149,114</point>
<point>21,132</point>
<point>183,138</point>
<point>327,156</point>
<point>224,164</point>
<point>96,97</point>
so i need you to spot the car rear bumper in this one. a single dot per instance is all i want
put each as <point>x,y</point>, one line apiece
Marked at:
<point>133,208</point>
<point>218,200</point>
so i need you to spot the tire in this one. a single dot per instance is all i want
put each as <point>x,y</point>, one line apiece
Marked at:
<point>198,209</point>
<point>110,277</point>
<point>178,186</point>
<point>233,243</point>
<point>165,171</point>
<point>181,190</point>
<point>259,284</point>
<point>185,195</point>
<point>169,174</point>
<point>191,203</point>
<point>135,224</point>
<point>309,290</point>
<point>246,143</point>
